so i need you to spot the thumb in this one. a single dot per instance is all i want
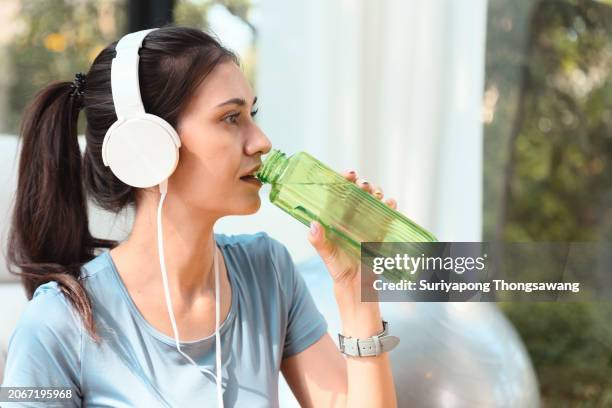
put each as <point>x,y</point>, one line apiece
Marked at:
<point>317,239</point>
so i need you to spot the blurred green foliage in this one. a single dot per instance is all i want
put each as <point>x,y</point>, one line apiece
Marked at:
<point>194,14</point>
<point>548,172</point>
<point>61,37</point>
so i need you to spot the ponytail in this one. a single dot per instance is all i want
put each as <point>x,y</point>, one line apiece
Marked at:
<point>49,238</point>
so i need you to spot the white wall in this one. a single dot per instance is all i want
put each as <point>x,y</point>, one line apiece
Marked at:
<point>391,88</point>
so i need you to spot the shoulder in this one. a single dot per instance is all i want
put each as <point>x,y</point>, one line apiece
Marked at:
<point>45,347</point>
<point>96,266</point>
<point>261,253</point>
<point>259,243</point>
<point>258,247</point>
<point>47,319</point>
<point>258,240</point>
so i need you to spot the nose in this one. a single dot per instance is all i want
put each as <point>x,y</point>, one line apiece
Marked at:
<point>258,142</point>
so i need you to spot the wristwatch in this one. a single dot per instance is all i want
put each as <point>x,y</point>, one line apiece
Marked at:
<point>370,346</point>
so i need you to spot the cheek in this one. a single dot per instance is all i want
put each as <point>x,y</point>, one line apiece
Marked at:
<point>212,166</point>
<point>209,164</point>
<point>209,161</point>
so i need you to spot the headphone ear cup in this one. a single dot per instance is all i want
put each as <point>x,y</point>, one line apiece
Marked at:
<point>141,151</point>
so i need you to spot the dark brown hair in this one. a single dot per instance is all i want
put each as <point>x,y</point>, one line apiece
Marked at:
<point>49,237</point>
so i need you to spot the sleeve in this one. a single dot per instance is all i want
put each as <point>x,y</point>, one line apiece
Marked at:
<point>305,324</point>
<point>44,349</point>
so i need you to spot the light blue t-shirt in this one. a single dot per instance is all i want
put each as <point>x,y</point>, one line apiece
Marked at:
<point>272,316</point>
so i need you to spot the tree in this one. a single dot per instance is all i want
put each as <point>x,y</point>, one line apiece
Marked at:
<point>550,65</point>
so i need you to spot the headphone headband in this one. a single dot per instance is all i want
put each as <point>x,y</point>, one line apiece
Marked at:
<point>140,148</point>
<point>124,75</point>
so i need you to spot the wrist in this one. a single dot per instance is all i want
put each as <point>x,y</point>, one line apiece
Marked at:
<point>372,346</point>
<point>359,319</point>
<point>362,329</point>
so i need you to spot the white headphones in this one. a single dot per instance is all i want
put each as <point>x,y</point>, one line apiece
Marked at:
<point>141,149</point>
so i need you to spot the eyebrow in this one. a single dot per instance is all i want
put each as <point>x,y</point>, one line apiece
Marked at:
<point>236,101</point>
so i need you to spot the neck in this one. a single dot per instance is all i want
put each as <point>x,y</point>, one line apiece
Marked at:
<point>188,243</point>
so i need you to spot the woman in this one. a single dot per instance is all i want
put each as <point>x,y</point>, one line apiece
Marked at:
<point>97,322</point>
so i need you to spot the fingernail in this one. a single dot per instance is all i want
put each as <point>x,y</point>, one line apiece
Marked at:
<point>313,228</point>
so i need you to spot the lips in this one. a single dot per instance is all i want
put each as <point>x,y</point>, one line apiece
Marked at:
<point>251,180</point>
<point>251,173</point>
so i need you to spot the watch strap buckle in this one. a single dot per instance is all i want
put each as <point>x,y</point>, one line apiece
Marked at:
<point>371,346</point>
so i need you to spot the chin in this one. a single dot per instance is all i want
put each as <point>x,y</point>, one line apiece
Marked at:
<point>249,207</point>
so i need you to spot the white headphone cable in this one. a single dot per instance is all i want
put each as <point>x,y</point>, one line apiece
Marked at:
<point>163,189</point>
<point>217,334</point>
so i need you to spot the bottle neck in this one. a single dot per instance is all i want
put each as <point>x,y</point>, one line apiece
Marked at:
<point>273,167</point>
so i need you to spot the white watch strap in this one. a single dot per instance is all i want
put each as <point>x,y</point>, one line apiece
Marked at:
<point>371,346</point>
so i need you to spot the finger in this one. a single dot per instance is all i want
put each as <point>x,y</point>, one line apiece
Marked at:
<point>391,203</point>
<point>350,175</point>
<point>364,185</point>
<point>378,193</point>
<point>317,239</point>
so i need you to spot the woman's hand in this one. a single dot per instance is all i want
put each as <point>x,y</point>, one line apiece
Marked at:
<point>369,381</point>
<point>344,270</point>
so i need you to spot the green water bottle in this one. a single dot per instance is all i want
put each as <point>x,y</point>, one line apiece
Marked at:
<point>309,190</point>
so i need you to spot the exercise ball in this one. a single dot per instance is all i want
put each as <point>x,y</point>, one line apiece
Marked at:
<point>451,355</point>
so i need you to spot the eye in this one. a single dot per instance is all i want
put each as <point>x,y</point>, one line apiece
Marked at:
<point>232,119</point>
<point>253,113</point>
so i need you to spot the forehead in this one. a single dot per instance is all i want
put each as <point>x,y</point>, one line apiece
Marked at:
<point>225,81</point>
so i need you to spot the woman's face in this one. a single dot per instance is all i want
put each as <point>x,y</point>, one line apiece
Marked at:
<point>220,143</point>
